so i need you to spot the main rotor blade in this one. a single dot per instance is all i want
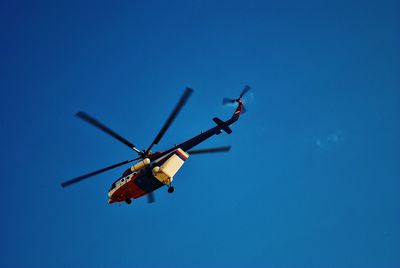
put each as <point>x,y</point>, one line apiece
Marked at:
<point>150,197</point>
<point>245,90</point>
<point>84,116</point>
<point>210,150</point>
<point>91,174</point>
<point>171,118</point>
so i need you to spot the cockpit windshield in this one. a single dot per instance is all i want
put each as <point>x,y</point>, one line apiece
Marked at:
<point>113,185</point>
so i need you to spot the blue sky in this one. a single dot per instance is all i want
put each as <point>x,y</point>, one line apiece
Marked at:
<point>312,179</point>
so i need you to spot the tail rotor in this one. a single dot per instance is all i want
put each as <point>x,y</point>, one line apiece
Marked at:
<point>229,101</point>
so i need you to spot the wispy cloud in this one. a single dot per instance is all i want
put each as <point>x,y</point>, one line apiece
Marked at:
<point>320,144</point>
<point>329,140</point>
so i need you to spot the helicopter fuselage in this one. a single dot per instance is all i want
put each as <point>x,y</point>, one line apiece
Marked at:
<point>160,172</point>
<point>154,170</point>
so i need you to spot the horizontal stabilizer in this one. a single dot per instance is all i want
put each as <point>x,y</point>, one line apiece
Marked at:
<point>221,124</point>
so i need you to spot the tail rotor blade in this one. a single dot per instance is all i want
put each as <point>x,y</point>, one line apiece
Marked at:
<point>227,101</point>
<point>245,90</point>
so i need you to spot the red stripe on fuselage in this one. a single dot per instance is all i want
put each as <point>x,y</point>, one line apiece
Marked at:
<point>184,157</point>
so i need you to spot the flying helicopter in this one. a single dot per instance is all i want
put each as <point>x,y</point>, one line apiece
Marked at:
<point>155,170</point>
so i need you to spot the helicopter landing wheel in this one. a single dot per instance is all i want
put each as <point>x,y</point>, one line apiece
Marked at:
<point>128,201</point>
<point>171,189</point>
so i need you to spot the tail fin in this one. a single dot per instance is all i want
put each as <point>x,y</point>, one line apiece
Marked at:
<point>240,109</point>
<point>222,125</point>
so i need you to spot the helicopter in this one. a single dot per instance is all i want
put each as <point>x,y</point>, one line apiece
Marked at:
<point>155,170</point>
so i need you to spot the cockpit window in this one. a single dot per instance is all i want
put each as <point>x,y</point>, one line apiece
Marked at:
<point>120,181</point>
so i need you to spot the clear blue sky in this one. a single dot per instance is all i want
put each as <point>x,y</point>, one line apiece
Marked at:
<point>312,179</point>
